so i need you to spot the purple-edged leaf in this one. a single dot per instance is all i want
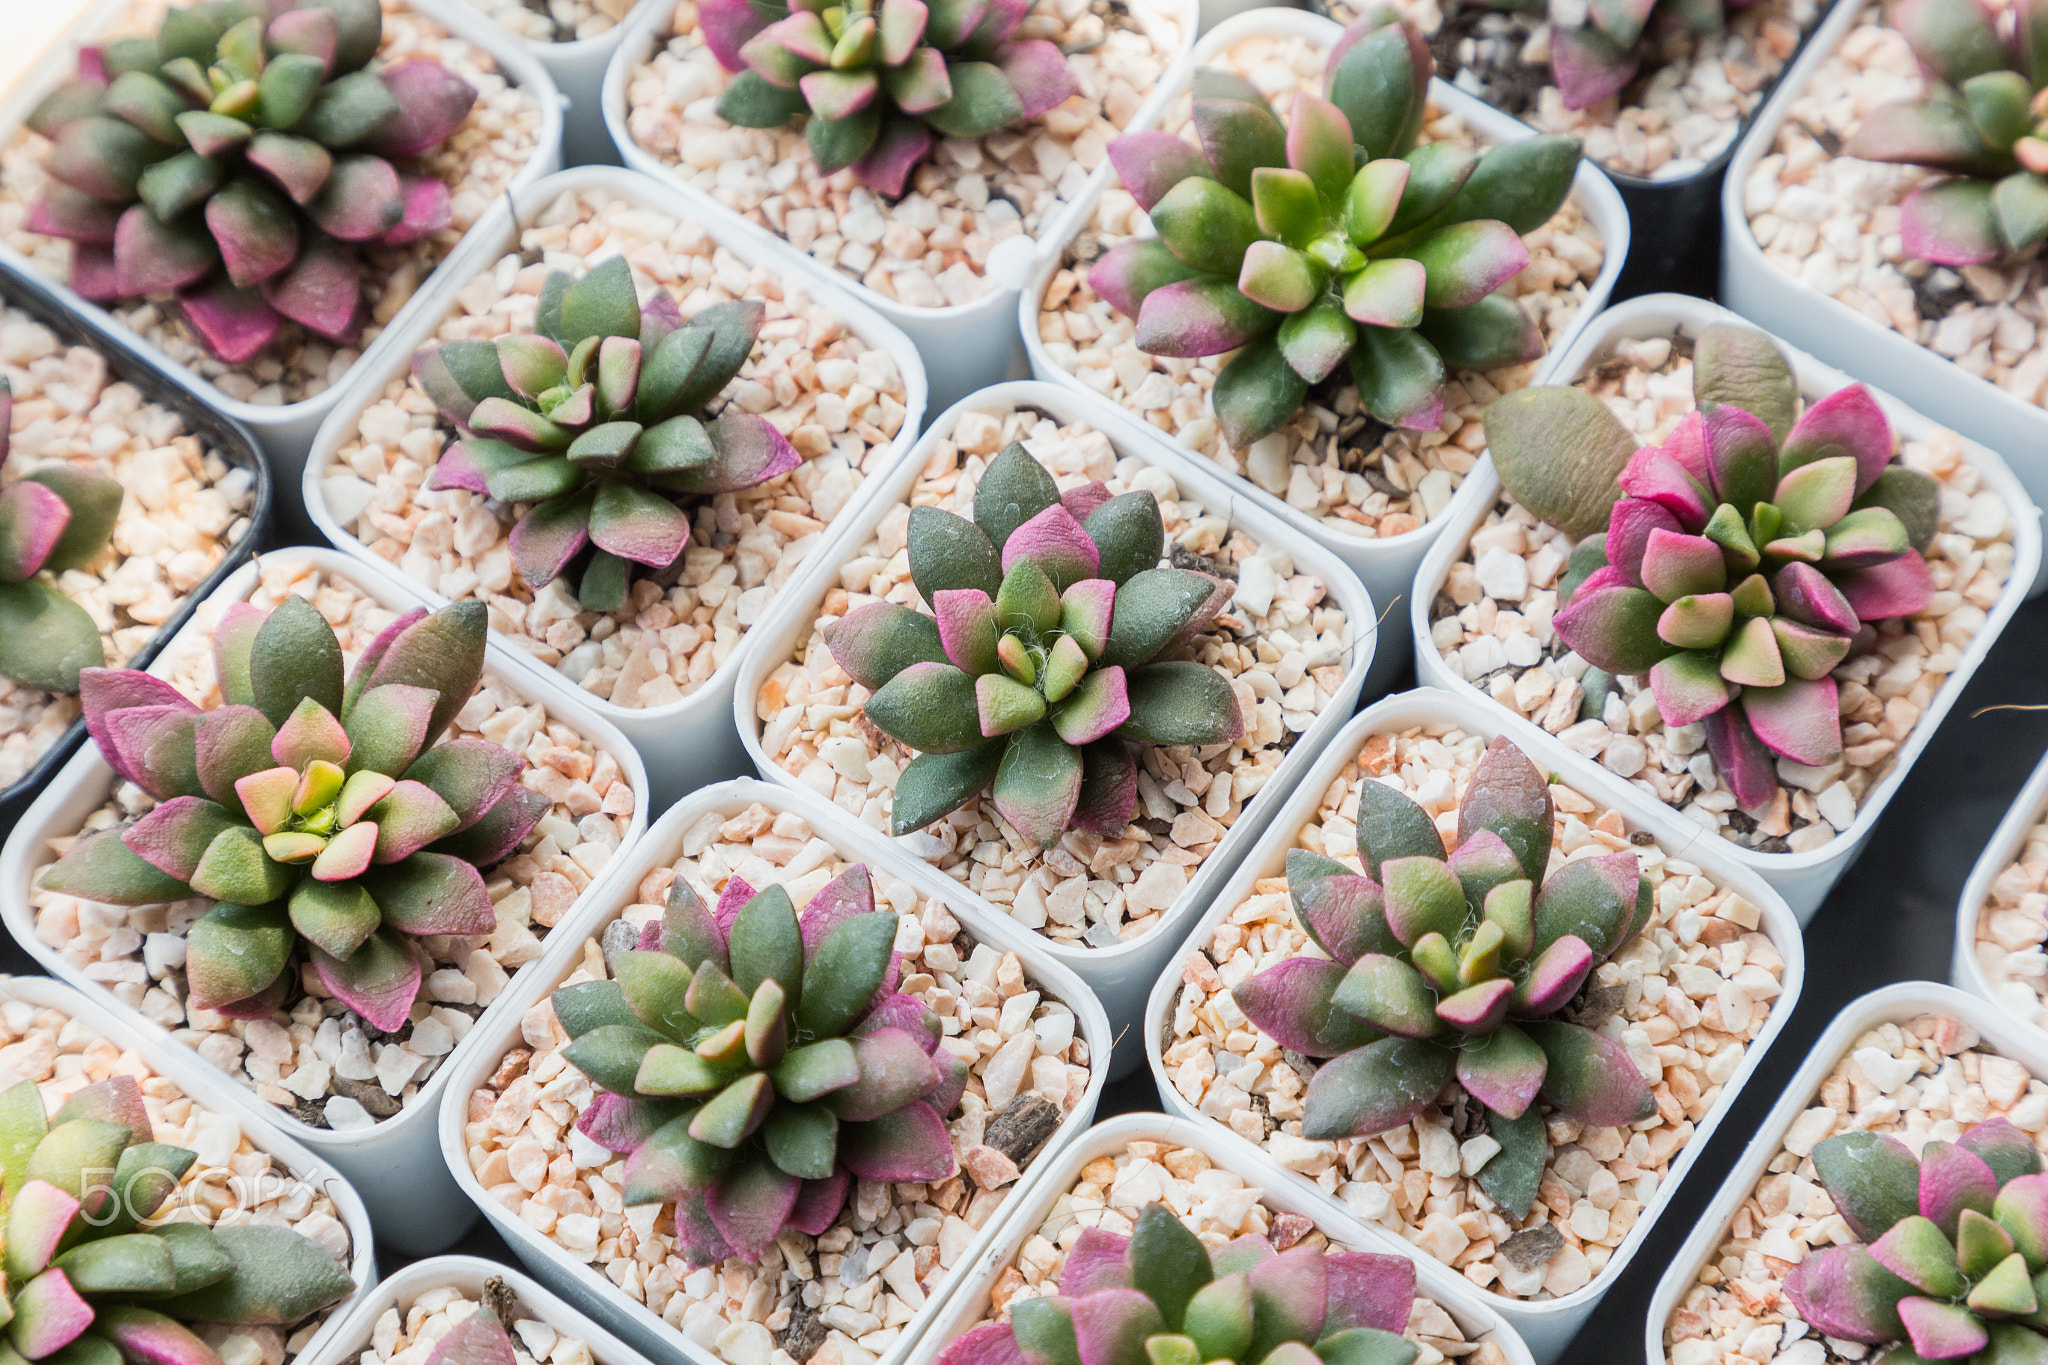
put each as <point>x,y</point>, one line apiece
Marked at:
<point>298,165</point>
<point>1468,261</point>
<point>1374,1088</point>
<point>1843,1292</point>
<point>1098,1261</point>
<point>1038,783</point>
<point>1848,422</point>
<point>910,1144</point>
<point>360,200</point>
<point>1150,164</point>
<point>726,25</point>
<point>409,817</point>
<point>173,837</point>
<point>1798,719</point>
<point>152,257</point>
<point>1503,1071</point>
<point>1589,66</point>
<point>1590,1077</point>
<point>1288,1300</point>
<point>1689,686</point>
<point>1055,541</point>
<point>1741,456</point>
<point>875,642</point>
<point>73,215</point>
<point>1740,758</point>
<point>234,951</point>
<point>1477,1009</point>
<point>1278,277</point>
<point>1109,789</point>
<point>750,1204</point>
<point>1919,1253</point>
<point>379,981</point>
<point>1902,587</point>
<point>1592,898</point>
<point>1129,272</point>
<point>1632,523</point>
<point>1658,476</point>
<point>1387,293</point>
<point>1199,317</point>
<point>1367,1290</point>
<point>432,893</point>
<point>425,208</point>
<point>638,525</point>
<point>1110,1326</point>
<point>433,101</point>
<point>1805,595</point>
<point>1953,1179</point>
<point>2021,1207</point>
<point>1614,628</point>
<point>1087,610</point>
<point>1952,222</point>
<point>749,452</point>
<point>234,324</point>
<point>1343,913</point>
<point>322,292</point>
<point>255,228</point>
<point>48,1315</point>
<point>1037,70</point>
<point>991,1343</point>
<point>547,538</point>
<point>1095,708</point>
<point>898,150</point>
<point>1808,653</point>
<point>1291,1004</point>
<point>152,746</point>
<point>1675,565</point>
<point>1554,978</point>
<point>1941,1331</point>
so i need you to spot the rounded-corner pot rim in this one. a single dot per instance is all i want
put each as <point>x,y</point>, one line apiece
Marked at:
<point>207,1088</point>
<point>1894,1003</point>
<point>588,918</point>
<point>1426,705</point>
<point>488,241</point>
<point>1686,311</point>
<point>2027,810</point>
<point>1466,1303</point>
<point>642,33</point>
<point>814,580</point>
<point>22,851</point>
<point>470,25</point>
<point>1600,201</point>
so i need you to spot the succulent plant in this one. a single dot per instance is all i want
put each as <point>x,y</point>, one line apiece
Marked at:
<point>1050,649</point>
<point>87,1283</point>
<point>1333,240</point>
<point>1601,49</point>
<point>56,518</point>
<point>1445,969</point>
<point>876,80</point>
<point>752,1062</point>
<point>308,808</point>
<point>240,157</point>
<point>479,1339</point>
<point>1746,555</point>
<point>1161,1296</point>
<point>592,422</point>
<point>1983,120</point>
<point>1952,1248</point>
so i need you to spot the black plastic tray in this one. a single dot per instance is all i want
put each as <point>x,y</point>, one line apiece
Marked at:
<point>233,442</point>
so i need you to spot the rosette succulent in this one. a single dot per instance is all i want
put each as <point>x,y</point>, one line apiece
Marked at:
<point>1050,649</point>
<point>241,157</point>
<point>1600,50</point>
<point>1983,121</point>
<point>1331,240</point>
<point>1454,968</point>
<point>877,80</point>
<point>1746,555</point>
<point>1161,1296</point>
<point>591,419</point>
<point>55,518</point>
<point>751,1063</point>
<point>308,807</point>
<point>1952,1257</point>
<point>87,1283</point>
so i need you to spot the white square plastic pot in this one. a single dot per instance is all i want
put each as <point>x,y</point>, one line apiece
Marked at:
<point>210,1090</point>
<point>1833,332</point>
<point>577,69</point>
<point>965,345</point>
<point>2006,845</point>
<point>409,1192</point>
<point>1387,567</point>
<point>1896,1004</point>
<point>1546,1324</point>
<point>586,1285</point>
<point>1804,879</point>
<point>285,430</point>
<point>687,743</point>
<point>967,1296</point>
<point>467,1275</point>
<point>1121,976</point>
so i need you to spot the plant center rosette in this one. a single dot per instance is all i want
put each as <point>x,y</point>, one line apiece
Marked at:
<point>100,1267</point>
<point>241,158</point>
<point>591,424</point>
<point>1332,240</point>
<point>315,809</point>
<point>1163,1297</point>
<point>1745,557</point>
<point>1049,651</point>
<point>751,1063</point>
<point>1951,1256</point>
<point>1448,968</point>
<point>1982,122</point>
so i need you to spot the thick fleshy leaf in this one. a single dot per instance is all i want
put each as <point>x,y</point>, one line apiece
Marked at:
<point>1038,784</point>
<point>1198,317</point>
<point>929,707</point>
<point>433,101</point>
<point>322,291</point>
<point>1257,392</point>
<point>1843,1292</point>
<point>1503,1070</point>
<point>1614,628</point>
<point>909,1144</point>
<point>1590,1077</point>
<point>1343,912</point>
<point>1468,261</point>
<point>1181,702</point>
<point>1111,1325</point>
<point>235,951</point>
<point>935,785</point>
<point>1941,1331</point>
<point>101,867</point>
<point>48,1315</point>
<point>1315,341</point>
<point>152,257</point>
<point>1056,542</point>
<point>1874,1180</point>
<point>174,836</point>
<point>1953,1179</point>
<point>1150,164</point>
<point>1560,452</point>
<point>1387,293</point>
<point>280,1277</point>
<point>1131,270</point>
<point>379,981</point>
<point>360,200</point>
<point>1373,1088</point>
<point>1589,66</point>
<point>1739,367</point>
<point>1039,74</point>
<point>1798,719</point>
<point>255,229</point>
<point>1378,75</point>
<point>1390,996</point>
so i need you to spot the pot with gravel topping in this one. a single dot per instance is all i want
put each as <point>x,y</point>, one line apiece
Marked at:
<point>1999,922</point>
<point>1104,899</point>
<point>278,377</point>
<point>575,42</point>
<point>405,1319</point>
<point>306,1062</point>
<point>843,386</point>
<point>241,1169</point>
<point>1906,1072</point>
<point>943,256</point>
<point>1332,473</point>
<point>197,494</point>
<point>1719,960</point>
<point>1957,343</point>
<point>1496,575</point>
<point>1225,1191</point>
<point>1033,1039</point>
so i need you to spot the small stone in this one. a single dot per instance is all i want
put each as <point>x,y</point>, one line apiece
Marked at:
<point>1022,1127</point>
<point>1532,1248</point>
<point>988,1167</point>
